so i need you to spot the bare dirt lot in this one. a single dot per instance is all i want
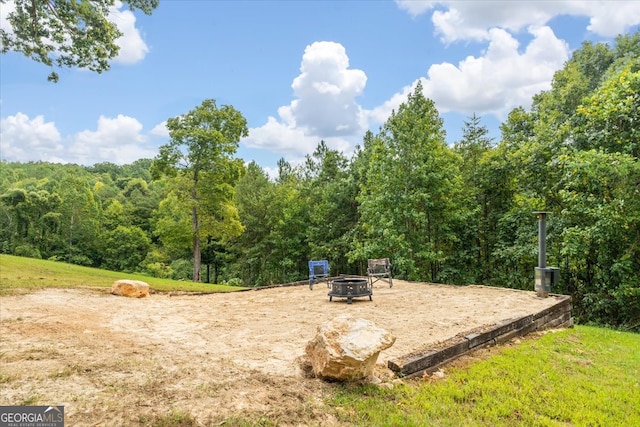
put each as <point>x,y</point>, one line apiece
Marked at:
<point>212,358</point>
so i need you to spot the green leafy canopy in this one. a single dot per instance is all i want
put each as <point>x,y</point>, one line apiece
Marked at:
<point>65,33</point>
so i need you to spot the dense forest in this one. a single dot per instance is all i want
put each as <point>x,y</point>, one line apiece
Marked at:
<point>457,214</point>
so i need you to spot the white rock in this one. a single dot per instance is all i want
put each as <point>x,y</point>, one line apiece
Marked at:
<point>347,348</point>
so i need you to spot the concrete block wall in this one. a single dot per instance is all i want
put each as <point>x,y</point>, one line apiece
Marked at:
<point>557,316</point>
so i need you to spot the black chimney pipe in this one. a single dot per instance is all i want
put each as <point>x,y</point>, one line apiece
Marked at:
<point>542,238</point>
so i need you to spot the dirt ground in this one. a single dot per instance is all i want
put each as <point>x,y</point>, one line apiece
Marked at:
<point>216,358</point>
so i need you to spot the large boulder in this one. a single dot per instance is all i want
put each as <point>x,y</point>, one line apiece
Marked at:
<point>130,288</point>
<point>347,348</point>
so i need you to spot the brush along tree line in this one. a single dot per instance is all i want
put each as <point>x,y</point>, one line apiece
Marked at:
<point>455,214</point>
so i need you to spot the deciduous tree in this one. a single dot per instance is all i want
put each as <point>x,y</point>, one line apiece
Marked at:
<point>65,33</point>
<point>200,157</point>
<point>409,201</point>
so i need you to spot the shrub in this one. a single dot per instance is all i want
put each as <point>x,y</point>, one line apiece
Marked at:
<point>27,251</point>
<point>182,269</point>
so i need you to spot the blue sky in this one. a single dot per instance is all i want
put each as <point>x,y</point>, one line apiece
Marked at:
<point>299,71</point>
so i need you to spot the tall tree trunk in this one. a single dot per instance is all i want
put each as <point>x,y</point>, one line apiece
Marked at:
<point>197,277</point>
<point>70,239</point>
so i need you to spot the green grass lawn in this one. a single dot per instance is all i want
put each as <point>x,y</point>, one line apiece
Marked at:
<point>18,274</point>
<point>585,376</point>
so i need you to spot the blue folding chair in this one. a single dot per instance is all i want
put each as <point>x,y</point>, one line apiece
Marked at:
<point>318,271</point>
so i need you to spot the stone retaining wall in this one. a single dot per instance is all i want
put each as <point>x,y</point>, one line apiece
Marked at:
<point>558,315</point>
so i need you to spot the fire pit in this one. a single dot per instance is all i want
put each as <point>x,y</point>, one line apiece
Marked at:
<point>350,288</point>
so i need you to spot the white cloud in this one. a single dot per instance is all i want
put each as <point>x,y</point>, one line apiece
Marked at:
<point>610,18</point>
<point>116,140</point>
<point>501,79</point>
<point>280,137</point>
<point>416,7</point>
<point>324,107</point>
<point>381,113</point>
<point>494,83</point>
<point>132,47</point>
<point>472,20</point>
<point>326,90</point>
<point>272,173</point>
<point>160,130</point>
<point>5,10</point>
<point>294,142</point>
<point>464,20</point>
<point>23,139</point>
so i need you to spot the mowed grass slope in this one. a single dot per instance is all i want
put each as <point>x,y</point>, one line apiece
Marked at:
<point>585,376</point>
<point>18,274</point>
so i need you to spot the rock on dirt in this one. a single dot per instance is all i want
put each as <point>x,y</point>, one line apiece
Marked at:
<point>130,288</point>
<point>347,348</point>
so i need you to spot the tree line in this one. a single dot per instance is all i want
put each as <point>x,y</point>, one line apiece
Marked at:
<point>457,214</point>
